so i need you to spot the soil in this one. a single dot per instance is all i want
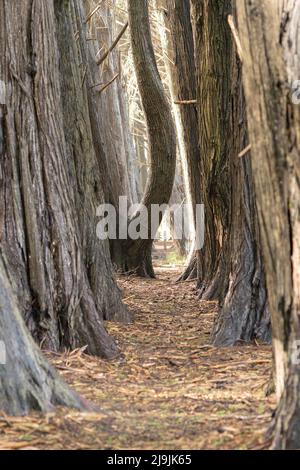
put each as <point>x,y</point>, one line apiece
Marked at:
<point>169,389</point>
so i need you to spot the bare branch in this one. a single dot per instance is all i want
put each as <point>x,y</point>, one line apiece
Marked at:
<point>235,36</point>
<point>186,102</point>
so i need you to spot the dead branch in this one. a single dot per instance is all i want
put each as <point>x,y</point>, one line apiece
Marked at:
<point>102,59</point>
<point>245,151</point>
<point>186,102</point>
<point>235,36</point>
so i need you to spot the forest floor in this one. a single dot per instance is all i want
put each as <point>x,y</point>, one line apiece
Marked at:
<point>169,389</point>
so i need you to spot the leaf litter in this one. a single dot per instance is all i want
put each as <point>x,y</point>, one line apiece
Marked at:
<point>168,389</point>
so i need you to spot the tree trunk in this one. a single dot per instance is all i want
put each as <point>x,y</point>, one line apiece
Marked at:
<point>213,46</point>
<point>270,45</point>
<point>243,311</point>
<point>27,381</point>
<point>47,200</point>
<point>182,55</point>
<point>231,268</point>
<point>90,173</point>
<point>162,141</point>
<point>113,140</point>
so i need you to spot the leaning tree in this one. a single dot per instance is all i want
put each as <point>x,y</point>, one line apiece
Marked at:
<point>27,381</point>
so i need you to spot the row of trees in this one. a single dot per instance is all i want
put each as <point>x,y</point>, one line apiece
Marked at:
<point>60,159</point>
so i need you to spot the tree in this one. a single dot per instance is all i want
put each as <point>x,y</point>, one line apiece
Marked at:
<point>27,382</point>
<point>177,17</point>
<point>137,253</point>
<point>51,182</point>
<point>231,269</point>
<point>270,46</point>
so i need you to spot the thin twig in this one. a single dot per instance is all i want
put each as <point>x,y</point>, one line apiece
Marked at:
<point>84,76</point>
<point>102,59</point>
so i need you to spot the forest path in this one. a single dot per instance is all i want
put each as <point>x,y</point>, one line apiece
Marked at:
<point>169,389</point>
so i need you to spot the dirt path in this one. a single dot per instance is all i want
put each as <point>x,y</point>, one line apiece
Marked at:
<point>169,390</point>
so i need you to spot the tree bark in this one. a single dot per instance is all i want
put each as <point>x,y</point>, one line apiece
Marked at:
<point>27,381</point>
<point>270,45</point>
<point>213,46</point>
<point>181,190</point>
<point>116,146</point>
<point>47,205</point>
<point>182,55</point>
<point>243,310</point>
<point>230,263</point>
<point>162,141</point>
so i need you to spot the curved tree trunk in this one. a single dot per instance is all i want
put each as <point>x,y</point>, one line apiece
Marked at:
<point>162,142</point>
<point>47,166</point>
<point>213,45</point>
<point>271,48</point>
<point>27,381</point>
<point>181,191</point>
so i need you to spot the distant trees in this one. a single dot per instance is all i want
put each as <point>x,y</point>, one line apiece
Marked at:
<point>113,142</point>
<point>51,185</point>
<point>181,60</point>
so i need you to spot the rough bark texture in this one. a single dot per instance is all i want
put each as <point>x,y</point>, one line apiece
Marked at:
<point>162,142</point>
<point>213,46</point>
<point>90,174</point>
<point>181,190</point>
<point>271,57</point>
<point>230,262</point>
<point>182,55</point>
<point>27,381</point>
<point>110,133</point>
<point>243,310</point>
<point>47,167</point>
